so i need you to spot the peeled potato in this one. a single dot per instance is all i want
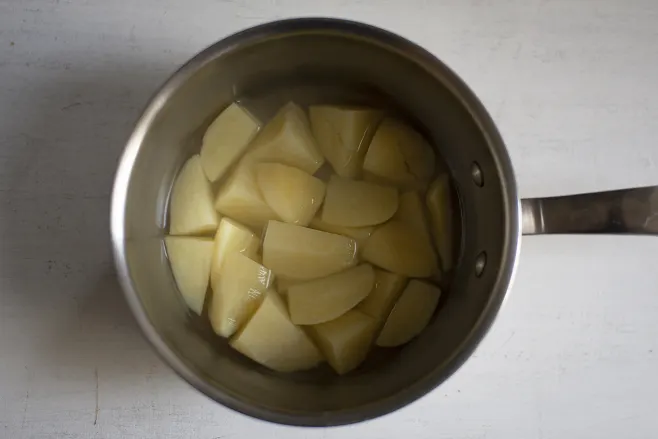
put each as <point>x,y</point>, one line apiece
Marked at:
<point>287,139</point>
<point>412,212</point>
<point>192,210</point>
<point>236,293</point>
<point>226,139</point>
<point>380,301</point>
<point>439,203</point>
<point>190,262</point>
<point>241,199</point>
<point>399,248</point>
<point>352,203</point>
<point>343,134</point>
<point>400,155</point>
<point>232,237</point>
<point>411,314</point>
<point>293,195</point>
<point>328,298</point>
<point>271,339</point>
<point>345,341</point>
<point>359,234</point>
<point>301,253</point>
<point>284,283</point>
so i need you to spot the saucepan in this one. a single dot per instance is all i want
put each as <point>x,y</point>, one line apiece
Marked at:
<point>343,55</point>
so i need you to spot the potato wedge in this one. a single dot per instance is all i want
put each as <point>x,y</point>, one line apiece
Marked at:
<point>271,339</point>
<point>190,259</point>
<point>387,289</point>
<point>359,234</point>
<point>440,205</point>
<point>325,299</point>
<point>401,249</point>
<point>345,341</point>
<point>343,134</point>
<point>400,155</point>
<point>411,314</point>
<point>284,283</point>
<point>301,253</point>
<point>232,237</point>
<point>352,203</point>
<point>236,293</point>
<point>226,139</point>
<point>287,139</point>
<point>412,212</point>
<point>291,193</point>
<point>191,209</point>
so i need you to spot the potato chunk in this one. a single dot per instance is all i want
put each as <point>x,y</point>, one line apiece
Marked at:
<point>400,155</point>
<point>226,139</point>
<point>359,234</point>
<point>386,291</point>
<point>439,203</point>
<point>271,339</point>
<point>328,298</point>
<point>345,341</point>
<point>190,263</point>
<point>237,292</point>
<point>352,203</point>
<point>411,314</point>
<point>293,195</point>
<point>301,253</point>
<point>232,237</point>
<point>401,249</point>
<point>343,134</point>
<point>412,212</point>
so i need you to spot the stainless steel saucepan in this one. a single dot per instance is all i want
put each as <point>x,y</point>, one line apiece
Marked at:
<point>347,55</point>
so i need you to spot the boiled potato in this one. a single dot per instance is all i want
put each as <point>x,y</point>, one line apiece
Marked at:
<point>287,139</point>
<point>284,283</point>
<point>439,203</point>
<point>226,139</point>
<point>345,341</point>
<point>343,134</point>
<point>300,253</point>
<point>190,260</point>
<point>400,155</point>
<point>192,210</point>
<point>411,314</point>
<point>352,203</point>
<point>399,248</point>
<point>240,198</point>
<point>328,298</point>
<point>412,212</point>
<point>237,292</point>
<point>271,339</point>
<point>380,301</point>
<point>232,237</point>
<point>359,234</point>
<point>293,195</point>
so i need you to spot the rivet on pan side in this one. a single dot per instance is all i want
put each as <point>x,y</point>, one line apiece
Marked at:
<point>480,263</point>
<point>476,173</point>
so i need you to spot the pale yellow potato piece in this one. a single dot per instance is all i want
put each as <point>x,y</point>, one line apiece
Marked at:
<point>301,253</point>
<point>359,234</point>
<point>343,134</point>
<point>399,248</point>
<point>191,209</point>
<point>412,212</point>
<point>240,198</point>
<point>291,193</point>
<point>440,205</point>
<point>232,237</point>
<point>236,293</point>
<point>226,139</point>
<point>190,260</point>
<point>411,314</point>
<point>400,155</point>
<point>271,339</point>
<point>287,139</point>
<point>385,292</point>
<point>284,283</point>
<point>352,203</point>
<point>345,341</point>
<point>325,299</point>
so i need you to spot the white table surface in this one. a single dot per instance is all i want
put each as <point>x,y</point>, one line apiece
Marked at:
<point>573,85</point>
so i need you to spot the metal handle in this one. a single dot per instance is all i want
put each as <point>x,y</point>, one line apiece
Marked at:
<point>632,211</point>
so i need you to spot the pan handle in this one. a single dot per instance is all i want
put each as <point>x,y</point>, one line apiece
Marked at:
<point>627,211</point>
